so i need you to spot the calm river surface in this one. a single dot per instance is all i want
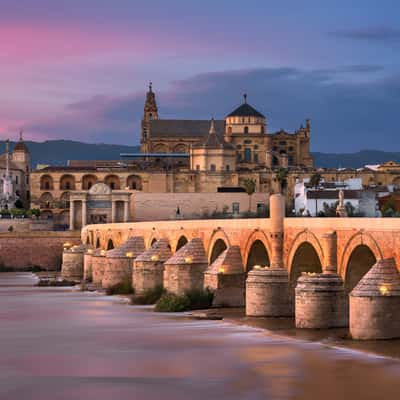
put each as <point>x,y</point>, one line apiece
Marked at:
<point>63,344</point>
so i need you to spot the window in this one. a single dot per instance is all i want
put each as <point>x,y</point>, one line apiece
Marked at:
<point>228,168</point>
<point>112,185</point>
<point>255,147</point>
<point>290,148</point>
<point>67,186</point>
<point>212,167</point>
<point>255,157</point>
<point>246,129</point>
<point>239,146</point>
<point>262,129</point>
<point>229,129</point>
<point>197,167</point>
<point>247,155</point>
<point>16,179</point>
<point>247,142</point>
<point>235,208</point>
<point>282,143</point>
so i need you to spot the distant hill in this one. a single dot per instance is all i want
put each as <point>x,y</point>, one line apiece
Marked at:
<point>58,152</point>
<point>354,160</point>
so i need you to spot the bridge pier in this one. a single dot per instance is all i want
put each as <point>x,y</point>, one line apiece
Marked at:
<point>320,298</point>
<point>225,277</point>
<point>375,303</point>
<point>119,261</point>
<point>148,267</point>
<point>72,263</point>
<point>98,265</point>
<point>184,271</point>
<point>87,265</point>
<point>268,291</point>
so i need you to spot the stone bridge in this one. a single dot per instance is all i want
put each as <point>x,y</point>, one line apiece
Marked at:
<point>350,245</point>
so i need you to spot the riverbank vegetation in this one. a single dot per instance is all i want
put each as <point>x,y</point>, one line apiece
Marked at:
<point>191,300</point>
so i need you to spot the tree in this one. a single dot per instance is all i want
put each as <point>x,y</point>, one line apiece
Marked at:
<point>250,187</point>
<point>281,177</point>
<point>315,180</point>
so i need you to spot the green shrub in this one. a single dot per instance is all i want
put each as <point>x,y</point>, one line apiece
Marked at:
<point>124,287</point>
<point>192,300</point>
<point>199,299</point>
<point>170,302</point>
<point>150,296</point>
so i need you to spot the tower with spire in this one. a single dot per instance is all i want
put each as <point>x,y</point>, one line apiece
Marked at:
<point>150,113</point>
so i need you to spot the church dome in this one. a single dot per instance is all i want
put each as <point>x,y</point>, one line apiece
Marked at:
<point>245,110</point>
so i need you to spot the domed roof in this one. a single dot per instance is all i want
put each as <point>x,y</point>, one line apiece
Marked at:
<point>160,251</point>
<point>20,145</point>
<point>245,110</point>
<point>129,249</point>
<point>229,262</point>
<point>381,280</point>
<point>191,253</point>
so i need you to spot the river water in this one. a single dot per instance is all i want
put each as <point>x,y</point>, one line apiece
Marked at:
<point>56,343</point>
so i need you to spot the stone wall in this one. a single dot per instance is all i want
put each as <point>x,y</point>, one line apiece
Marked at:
<point>163,206</point>
<point>26,249</point>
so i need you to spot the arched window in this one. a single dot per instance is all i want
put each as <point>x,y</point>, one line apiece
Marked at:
<point>212,168</point>
<point>229,129</point>
<point>246,130</point>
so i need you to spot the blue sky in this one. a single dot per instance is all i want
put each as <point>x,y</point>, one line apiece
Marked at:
<point>79,70</point>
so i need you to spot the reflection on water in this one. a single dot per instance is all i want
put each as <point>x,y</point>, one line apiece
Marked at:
<point>63,344</point>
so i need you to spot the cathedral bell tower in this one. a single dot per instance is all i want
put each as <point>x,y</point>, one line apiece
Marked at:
<point>150,112</point>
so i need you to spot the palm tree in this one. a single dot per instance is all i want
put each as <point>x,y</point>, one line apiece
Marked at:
<point>281,177</point>
<point>315,180</point>
<point>250,187</point>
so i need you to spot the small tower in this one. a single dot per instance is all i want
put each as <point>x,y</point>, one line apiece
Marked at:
<point>21,158</point>
<point>150,112</point>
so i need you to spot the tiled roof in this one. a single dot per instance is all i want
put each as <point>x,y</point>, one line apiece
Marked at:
<point>245,110</point>
<point>184,128</point>
<point>191,253</point>
<point>333,194</point>
<point>160,251</point>
<point>229,262</point>
<point>381,280</point>
<point>134,245</point>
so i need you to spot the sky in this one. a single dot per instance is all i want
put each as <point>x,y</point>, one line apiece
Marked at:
<point>79,70</point>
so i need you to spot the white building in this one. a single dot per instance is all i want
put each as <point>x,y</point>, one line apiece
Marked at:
<point>310,200</point>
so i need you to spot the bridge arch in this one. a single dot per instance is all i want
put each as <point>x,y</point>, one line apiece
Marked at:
<point>360,238</point>
<point>219,242</point>
<point>360,262</point>
<point>305,259</point>
<point>257,250</point>
<point>98,244</point>
<point>181,242</point>
<point>360,253</point>
<point>302,237</point>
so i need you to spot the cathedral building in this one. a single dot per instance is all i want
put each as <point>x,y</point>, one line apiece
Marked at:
<point>244,129</point>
